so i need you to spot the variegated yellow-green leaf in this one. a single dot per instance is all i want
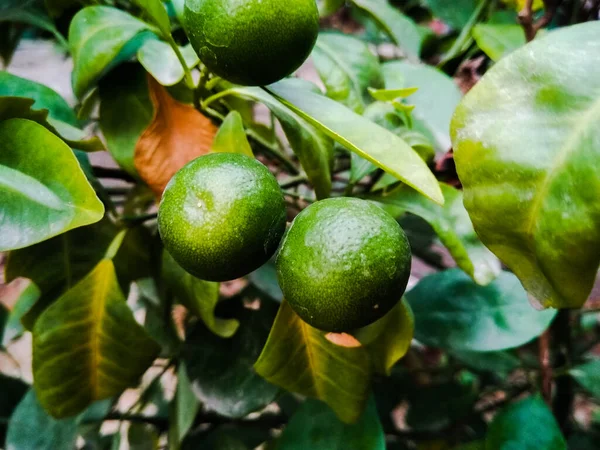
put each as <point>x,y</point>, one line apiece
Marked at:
<point>87,346</point>
<point>527,143</point>
<point>300,359</point>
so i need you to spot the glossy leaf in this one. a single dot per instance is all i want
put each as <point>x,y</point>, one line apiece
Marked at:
<point>13,327</point>
<point>313,148</point>
<point>31,427</point>
<point>526,425</point>
<point>156,14</point>
<point>452,312</point>
<point>347,67</point>
<point>97,35</point>
<point>159,59</point>
<point>435,100</point>
<point>388,339</point>
<point>315,426</point>
<point>300,359</point>
<point>92,329</point>
<point>184,408</point>
<point>199,296</point>
<point>221,369</point>
<point>370,141</point>
<point>588,375</point>
<point>57,264</point>
<point>530,178</point>
<point>124,93</point>
<point>498,40</point>
<point>231,137</point>
<point>452,225</point>
<point>456,13</point>
<point>35,189</point>
<point>401,29</point>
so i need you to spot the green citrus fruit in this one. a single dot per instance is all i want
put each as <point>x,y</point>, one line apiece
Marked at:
<point>343,264</point>
<point>222,216</point>
<point>252,42</point>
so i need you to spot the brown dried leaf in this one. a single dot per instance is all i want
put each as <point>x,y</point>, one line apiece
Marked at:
<point>177,134</point>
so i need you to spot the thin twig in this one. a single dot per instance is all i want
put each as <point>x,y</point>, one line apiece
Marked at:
<point>562,405</point>
<point>545,366</point>
<point>526,17</point>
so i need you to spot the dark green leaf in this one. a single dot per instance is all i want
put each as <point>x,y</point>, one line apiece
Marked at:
<point>401,29</point>
<point>141,436</point>
<point>526,150</point>
<point>221,369</point>
<point>499,363</point>
<point>231,137</point>
<point>25,301</point>
<point>455,13</point>
<point>313,148</point>
<point>452,225</point>
<point>156,14</point>
<point>10,36</point>
<point>90,329</point>
<point>97,35</point>
<point>327,7</point>
<point>43,193</point>
<point>184,408</point>
<point>315,426</point>
<point>435,100</point>
<point>526,425</point>
<point>347,68</point>
<point>498,40</point>
<point>124,93</point>
<point>30,12</point>
<point>300,359</point>
<point>370,141</point>
<point>265,279</point>
<point>13,391</point>
<point>453,312</point>
<point>588,375</point>
<point>159,59</point>
<point>199,296</point>
<point>31,427</point>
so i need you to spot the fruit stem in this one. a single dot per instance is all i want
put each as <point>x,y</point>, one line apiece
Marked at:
<point>189,81</point>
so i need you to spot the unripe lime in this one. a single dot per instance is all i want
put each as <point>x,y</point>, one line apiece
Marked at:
<point>343,264</point>
<point>222,216</point>
<point>252,42</point>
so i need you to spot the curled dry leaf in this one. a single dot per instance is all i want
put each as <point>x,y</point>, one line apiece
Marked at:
<point>177,134</point>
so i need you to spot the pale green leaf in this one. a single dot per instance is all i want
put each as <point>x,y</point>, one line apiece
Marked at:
<point>231,137</point>
<point>369,140</point>
<point>43,190</point>
<point>300,359</point>
<point>526,142</point>
<point>160,60</point>
<point>498,40</point>
<point>90,329</point>
<point>588,375</point>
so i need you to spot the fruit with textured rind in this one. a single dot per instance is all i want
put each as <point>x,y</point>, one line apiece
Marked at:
<point>252,42</point>
<point>343,264</point>
<point>222,216</point>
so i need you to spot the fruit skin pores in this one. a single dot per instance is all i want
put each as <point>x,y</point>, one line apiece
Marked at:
<point>252,42</point>
<point>343,264</point>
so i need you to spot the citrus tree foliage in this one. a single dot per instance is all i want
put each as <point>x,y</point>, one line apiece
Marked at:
<point>494,181</point>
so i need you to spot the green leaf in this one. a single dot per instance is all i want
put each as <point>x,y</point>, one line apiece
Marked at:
<point>31,427</point>
<point>455,13</point>
<point>97,35</point>
<point>300,359</point>
<point>13,391</point>
<point>30,12</point>
<point>124,93</point>
<point>347,67</point>
<point>498,40</point>
<point>221,369</point>
<point>313,148</point>
<point>370,141</point>
<point>526,150</point>
<point>588,375</point>
<point>314,426</point>
<point>25,301</point>
<point>387,95</point>
<point>160,60</point>
<point>499,363</point>
<point>92,329</point>
<point>43,193</point>
<point>525,425</point>
<point>452,312</point>
<point>142,436</point>
<point>199,296</point>
<point>400,28</point>
<point>435,100</point>
<point>231,137</point>
<point>59,263</point>
<point>156,14</point>
<point>388,339</point>
<point>265,280</point>
<point>452,225</point>
<point>184,408</point>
